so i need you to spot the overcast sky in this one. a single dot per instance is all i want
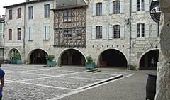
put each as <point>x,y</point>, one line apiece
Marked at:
<point>7,3</point>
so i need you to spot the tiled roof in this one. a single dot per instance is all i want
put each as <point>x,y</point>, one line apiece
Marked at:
<point>24,3</point>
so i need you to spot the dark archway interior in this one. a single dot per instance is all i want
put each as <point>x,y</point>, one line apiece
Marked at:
<point>112,58</point>
<point>72,57</point>
<point>38,56</point>
<point>149,60</point>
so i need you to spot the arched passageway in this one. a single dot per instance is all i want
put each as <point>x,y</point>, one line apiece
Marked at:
<point>14,55</point>
<point>149,60</point>
<point>112,58</point>
<point>38,56</point>
<point>72,57</point>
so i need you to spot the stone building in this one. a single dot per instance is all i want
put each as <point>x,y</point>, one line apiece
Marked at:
<point>1,37</point>
<point>113,32</point>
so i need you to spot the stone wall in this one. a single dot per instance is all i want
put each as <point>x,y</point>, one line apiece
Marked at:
<point>163,82</point>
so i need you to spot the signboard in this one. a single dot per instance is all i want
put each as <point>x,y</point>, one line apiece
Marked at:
<point>155,10</point>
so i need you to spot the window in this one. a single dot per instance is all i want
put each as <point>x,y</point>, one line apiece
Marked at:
<point>67,16</point>
<point>98,32</point>
<point>47,10</point>
<point>67,32</point>
<point>30,12</point>
<point>30,31</point>
<point>10,14</point>
<point>98,9</point>
<point>19,33</point>
<point>140,29</point>
<point>116,6</point>
<point>116,31</point>
<point>19,12</point>
<point>10,34</point>
<point>140,5</point>
<point>46,32</point>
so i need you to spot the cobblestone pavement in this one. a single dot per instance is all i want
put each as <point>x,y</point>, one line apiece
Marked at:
<point>35,82</point>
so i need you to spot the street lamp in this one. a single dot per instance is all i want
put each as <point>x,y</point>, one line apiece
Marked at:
<point>155,12</point>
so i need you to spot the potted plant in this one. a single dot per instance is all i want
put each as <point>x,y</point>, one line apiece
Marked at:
<point>50,61</point>
<point>90,64</point>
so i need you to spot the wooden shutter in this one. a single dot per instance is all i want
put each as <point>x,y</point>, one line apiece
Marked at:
<point>110,32</point>
<point>93,35</point>
<point>134,5</point>
<point>122,4</point>
<point>111,7</point>
<point>104,32</point>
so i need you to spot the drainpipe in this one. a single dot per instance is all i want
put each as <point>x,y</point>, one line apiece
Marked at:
<point>130,32</point>
<point>24,35</point>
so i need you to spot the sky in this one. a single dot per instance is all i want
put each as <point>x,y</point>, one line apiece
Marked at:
<point>7,3</point>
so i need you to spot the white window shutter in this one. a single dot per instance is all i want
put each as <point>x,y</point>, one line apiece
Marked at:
<point>104,33</point>
<point>110,32</point>
<point>93,35</point>
<point>111,7</point>
<point>134,5</point>
<point>89,32</point>
<point>147,5</point>
<point>104,11</point>
<point>134,30</point>
<point>146,30</point>
<point>122,29</point>
<point>48,32</point>
<point>94,9</point>
<point>122,4</point>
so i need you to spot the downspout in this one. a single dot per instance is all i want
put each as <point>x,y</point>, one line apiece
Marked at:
<point>24,35</point>
<point>130,32</point>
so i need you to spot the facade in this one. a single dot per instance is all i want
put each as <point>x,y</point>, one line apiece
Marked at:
<point>113,32</point>
<point>2,22</point>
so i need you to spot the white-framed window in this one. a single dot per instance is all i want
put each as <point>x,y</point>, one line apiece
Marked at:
<point>67,15</point>
<point>140,29</point>
<point>47,10</point>
<point>98,32</point>
<point>116,31</point>
<point>98,9</point>
<point>116,6</point>
<point>140,5</point>
<point>46,32</point>
<point>30,12</point>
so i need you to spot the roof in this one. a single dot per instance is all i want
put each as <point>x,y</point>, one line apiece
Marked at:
<point>64,4</point>
<point>24,3</point>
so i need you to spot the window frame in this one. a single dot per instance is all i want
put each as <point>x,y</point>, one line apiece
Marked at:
<point>30,12</point>
<point>19,33</point>
<point>99,9</point>
<point>67,16</point>
<point>98,32</point>
<point>116,31</point>
<point>19,13</point>
<point>10,14</point>
<point>116,7</point>
<point>10,34</point>
<point>46,10</point>
<point>140,30</point>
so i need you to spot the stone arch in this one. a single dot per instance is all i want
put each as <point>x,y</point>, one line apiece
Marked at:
<point>13,55</point>
<point>112,58</point>
<point>37,56</point>
<point>149,59</point>
<point>72,57</point>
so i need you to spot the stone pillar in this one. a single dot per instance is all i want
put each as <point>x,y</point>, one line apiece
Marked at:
<point>163,81</point>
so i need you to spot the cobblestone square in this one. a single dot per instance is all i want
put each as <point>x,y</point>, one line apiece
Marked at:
<point>35,82</point>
